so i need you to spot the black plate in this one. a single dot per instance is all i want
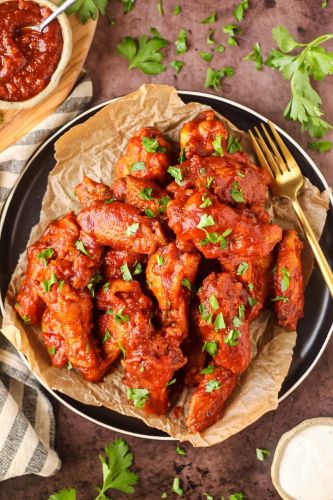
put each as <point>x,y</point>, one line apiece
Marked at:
<point>22,212</point>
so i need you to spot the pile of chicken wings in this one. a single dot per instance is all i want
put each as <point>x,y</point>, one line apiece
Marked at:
<point>165,269</point>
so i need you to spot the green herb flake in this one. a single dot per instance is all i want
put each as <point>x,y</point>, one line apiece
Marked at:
<point>176,173</point>
<point>181,42</point>
<point>163,203</point>
<point>209,369</point>
<point>233,145</point>
<point>47,284</point>
<point>208,496</point>
<point>176,487</point>
<point>160,260</point>
<point>151,145</point>
<point>217,145</point>
<point>236,322</point>
<point>109,200</point>
<point>210,347</point>
<point>126,273</point>
<point>240,10</point>
<point>321,146</point>
<point>52,350</point>
<point>210,40</point>
<point>186,283</point>
<point>120,317</point>
<point>231,338</point>
<point>219,323</point>
<point>150,213</point>
<point>285,279</point>
<point>106,337</point>
<point>252,301</point>
<point>144,54</point>
<point>209,181</point>
<point>45,255</point>
<point>122,348</point>
<point>206,56</point>
<point>280,298</point>
<point>241,311</point>
<point>205,221</point>
<point>214,303</point>
<point>262,454</point>
<point>220,48</point>
<point>182,155</point>
<point>177,65</point>
<point>146,193</point>
<point>209,19</point>
<point>215,76</point>
<point>205,315</point>
<point>80,246</point>
<point>137,269</point>
<point>61,284</point>
<point>236,193</point>
<point>212,385</point>
<point>171,382</point>
<point>250,286</point>
<point>180,451</point>
<point>128,5</point>
<point>94,280</point>
<point>164,495</point>
<point>237,496</point>
<point>132,229</point>
<point>106,286</point>
<point>160,7</point>
<point>69,365</point>
<point>177,10</point>
<point>206,201</point>
<point>232,30</point>
<point>256,56</point>
<point>138,396</point>
<point>242,268</point>
<point>137,166</point>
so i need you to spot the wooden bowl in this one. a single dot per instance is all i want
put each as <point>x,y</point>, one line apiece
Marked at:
<point>63,61</point>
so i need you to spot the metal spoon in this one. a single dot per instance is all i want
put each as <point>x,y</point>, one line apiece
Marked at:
<point>40,27</point>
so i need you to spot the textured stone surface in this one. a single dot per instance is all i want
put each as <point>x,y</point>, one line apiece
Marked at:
<point>231,466</point>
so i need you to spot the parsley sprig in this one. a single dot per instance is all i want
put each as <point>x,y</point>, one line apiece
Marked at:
<point>144,54</point>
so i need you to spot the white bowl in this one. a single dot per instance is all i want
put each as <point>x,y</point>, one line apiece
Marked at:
<point>63,61</point>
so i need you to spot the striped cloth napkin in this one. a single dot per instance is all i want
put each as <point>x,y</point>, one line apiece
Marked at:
<point>27,422</point>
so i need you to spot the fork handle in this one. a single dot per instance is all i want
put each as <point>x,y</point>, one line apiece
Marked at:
<point>317,251</point>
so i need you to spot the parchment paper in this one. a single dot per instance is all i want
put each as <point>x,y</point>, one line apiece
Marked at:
<point>92,149</point>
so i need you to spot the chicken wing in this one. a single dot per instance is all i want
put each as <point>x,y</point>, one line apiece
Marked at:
<point>147,156</point>
<point>90,191</point>
<point>208,400</point>
<point>288,281</point>
<point>53,338</point>
<point>197,136</point>
<point>170,275</point>
<point>29,306</point>
<point>122,227</point>
<point>217,229</point>
<point>113,263</point>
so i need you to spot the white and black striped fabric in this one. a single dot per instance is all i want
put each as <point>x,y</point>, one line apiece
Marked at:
<point>27,425</point>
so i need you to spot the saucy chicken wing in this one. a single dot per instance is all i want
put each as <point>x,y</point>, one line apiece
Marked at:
<point>90,191</point>
<point>121,227</point>
<point>288,281</point>
<point>170,275</point>
<point>147,156</point>
<point>197,136</point>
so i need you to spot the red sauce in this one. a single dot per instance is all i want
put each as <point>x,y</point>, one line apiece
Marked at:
<point>27,60</point>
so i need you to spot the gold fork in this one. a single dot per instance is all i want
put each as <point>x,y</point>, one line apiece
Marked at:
<point>287,180</point>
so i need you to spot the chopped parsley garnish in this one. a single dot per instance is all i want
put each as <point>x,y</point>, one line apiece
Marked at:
<point>151,144</point>
<point>128,5</point>
<point>186,283</point>
<point>107,336</point>
<point>110,311</point>
<point>176,487</point>
<point>236,193</point>
<point>202,171</point>
<point>214,76</point>
<point>210,40</point>
<point>171,382</point>
<point>241,311</point>
<point>232,30</point>
<point>160,7</point>
<point>205,315</point>
<point>69,365</point>
<point>212,385</point>
<point>210,347</point>
<point>126,273</point>
<point>214,303</point>
<point>150,213</point>
<point>233,145</point>
<point>163,203</point>
<point>205,221</point>
<point>220,48</point>
<point>209,181</point>
<point>206,202</point>
<point>182,155</point>
<point>207,370</point>
<point>122,348</point>
<point>236,322</point>
<point>132,229</point>
<point>110,200</point>
<point>321,146</point>
<point>120,317</point>
<point>217,145</point>
<point>280,298</point>
<point>137,165</point>
<point>180,451</point>
<point>52,350</point>
<point>138,396</point>
<point>219,323</point>
<point>94,280</point>
<point>250,286</point>
<point>137,269</point>
<point>209,19</point>
<point>285,279</point>
<point>88,9</point>
<point>181,42</point>
<point>80,246</point>
<point>144,54</point>
<point>252,301</point>
<point>231,338</point>
<point>177,65</point>
<point>256,56</point>
<point>240,10</point>
<point>160,260</point>
<point>206,56</point>
<point>176,173</point>
<point>106,286</point>
<point>47,284</point>
<point>223,238</point>
<point>240,174</point>
<point>61,284</point>
<point>87,347</point>
<point>45,255</point>
<point>237,496</point>
<point>262,454</point>
<point>242,268</point>
<point>177,10</point>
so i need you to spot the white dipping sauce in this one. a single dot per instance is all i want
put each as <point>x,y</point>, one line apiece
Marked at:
<point>306,467</point>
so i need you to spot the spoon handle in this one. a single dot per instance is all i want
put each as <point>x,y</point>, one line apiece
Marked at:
<point>56,13</point>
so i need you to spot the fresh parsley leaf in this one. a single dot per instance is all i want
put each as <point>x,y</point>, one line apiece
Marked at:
<point>176,174</point>
<point>176,487</point>
<point>209,181</point>
<point>214,76</point>
<point>321,146</point>
<point>217,145</point>
<point>236,193</point>
<point>208,496</point>
<point>186,283</point>
<point>150,144</point>
<point>138,396</point>
<point>87,9</point>
<point>231,338</point>
<point>177,65</point>
<point>122,348</point>
<point>214,303</point>
<point>107,336</point>
<point>232,30</point>
<point>110,200</point>
<point>241,311</point>
<point>285,279</point>
<point>45,255</point>
<point>210,347</point>
<point>205,221</point>
<point>160,7</point>
<point>177,10</point>
<point>116,467</point>
<point>262,454</point>
<point>206,56</point>
<point>279,298</point>
<point>236,322</point>
<point>172,381</point>
<point>155,33</point>
<point>223,238</point>
<point>180,451</point>
<point>182,155</point>
<point>80,246</point>
<point>207,370</point>
<point>163,203</point>
<point>69,365</point>
<point>237,496</point>
<point>132,229</point>
<point>126,273</point>
<point>233,145</point>
<point>206,201</point>
<point>106,286</point>
<point>128,5</point>
<point>212,385</point>
<point>52,350</point>
<point>164,495</point>
<point>210,40</point>
<point>242,268</point>
<point>120,317</point>
<point>219,323</point>
<point>250,286</point>
<point>240,10</point>
<point>256,56</point>
<point>209,19</point>
<point>252,301</point>
<point>181,42</point>
<point>47,284</point>
<point>146,193</point>
<point>160,260</point>
<point>149,212</point>
<point>65,494</point>
<point>94,280</point>
<point>285,41</point>
<point>220,48</point>
<point>144,54</point>
<point>26,319</point>
<point>205,315</point>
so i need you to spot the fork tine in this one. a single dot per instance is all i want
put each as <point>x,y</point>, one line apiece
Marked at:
<point>279,159</point>
<point>261,157</point>
<point>291,162</point>
<point>270,158</point>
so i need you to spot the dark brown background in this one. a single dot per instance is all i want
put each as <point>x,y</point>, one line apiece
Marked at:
<point>231,466</point>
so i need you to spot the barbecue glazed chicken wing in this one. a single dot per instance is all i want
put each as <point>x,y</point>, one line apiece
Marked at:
<point>90,191</point>
<point>288,281</point>
<point>197,136</point>
<point>147,156</point>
